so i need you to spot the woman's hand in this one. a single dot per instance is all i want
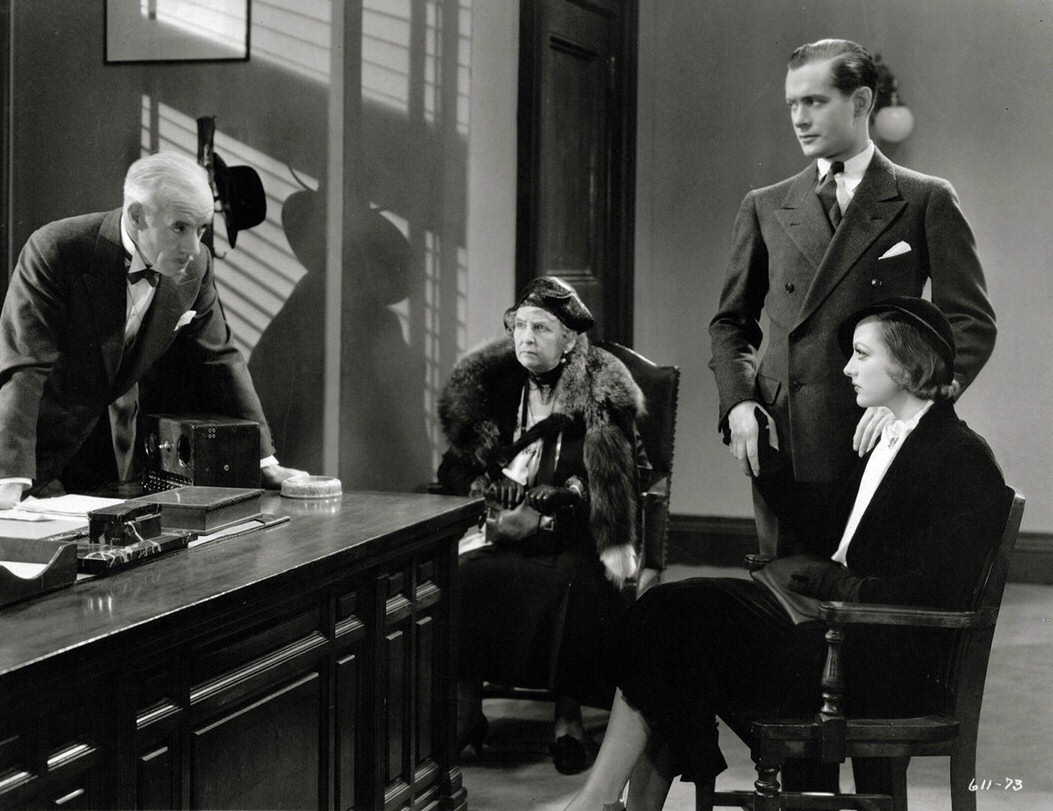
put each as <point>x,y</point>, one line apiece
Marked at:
<point>826,581</point>
<point>506,493</point>
<point>547,498</point>
<point>868,430</point>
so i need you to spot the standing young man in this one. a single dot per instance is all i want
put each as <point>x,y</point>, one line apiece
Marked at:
<point>851,229</point>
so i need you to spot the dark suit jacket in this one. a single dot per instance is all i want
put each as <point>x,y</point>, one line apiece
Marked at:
<point>785,262</point>
<point>936,516</point>
<point>62,356</point>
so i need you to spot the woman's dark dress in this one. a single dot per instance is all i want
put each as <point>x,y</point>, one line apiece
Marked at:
<point>541,612</point>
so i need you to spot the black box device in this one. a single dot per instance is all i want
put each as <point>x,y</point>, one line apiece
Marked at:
<point>202,450</point>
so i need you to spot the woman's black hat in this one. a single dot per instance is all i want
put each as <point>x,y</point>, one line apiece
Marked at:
<point>917,311</point>
<point>557,297</point>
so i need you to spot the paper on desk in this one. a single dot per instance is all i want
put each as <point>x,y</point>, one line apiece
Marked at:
<point>66,506</point>
<point>15,514</point>
<point>49,517</point>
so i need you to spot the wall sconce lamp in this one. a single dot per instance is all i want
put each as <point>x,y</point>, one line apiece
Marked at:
<point>893,121</point>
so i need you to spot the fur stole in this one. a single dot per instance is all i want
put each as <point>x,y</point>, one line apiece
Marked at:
<point>594,387</point>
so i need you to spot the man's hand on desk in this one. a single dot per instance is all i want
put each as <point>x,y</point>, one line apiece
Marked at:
<point>272,476</point>
<point>10,495</point>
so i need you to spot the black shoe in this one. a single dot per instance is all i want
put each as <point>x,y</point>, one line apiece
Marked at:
<point>474,735</point>
<point>568,754</point>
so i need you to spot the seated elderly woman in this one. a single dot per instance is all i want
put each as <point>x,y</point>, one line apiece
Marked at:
<point>919,518</point>
<point>543,425</point>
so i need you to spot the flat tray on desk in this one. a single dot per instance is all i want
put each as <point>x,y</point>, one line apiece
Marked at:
<point>29,567</point>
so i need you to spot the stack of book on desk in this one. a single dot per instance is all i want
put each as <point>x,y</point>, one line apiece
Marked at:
<point>211,512</point>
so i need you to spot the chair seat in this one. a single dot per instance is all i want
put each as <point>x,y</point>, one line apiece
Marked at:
<point>864,737</point>
<point>880,732</point>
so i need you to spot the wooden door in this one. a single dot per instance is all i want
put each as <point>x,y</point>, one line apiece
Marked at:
<point>577,85</point>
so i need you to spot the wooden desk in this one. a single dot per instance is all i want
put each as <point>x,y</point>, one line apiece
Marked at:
<point>306,665</point>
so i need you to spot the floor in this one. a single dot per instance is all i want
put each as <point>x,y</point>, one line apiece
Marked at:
<point>1015,748</point>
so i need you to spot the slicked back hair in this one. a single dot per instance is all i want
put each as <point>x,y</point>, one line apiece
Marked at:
<point>853,66</point>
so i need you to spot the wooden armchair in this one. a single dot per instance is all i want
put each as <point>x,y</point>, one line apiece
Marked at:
<point>831,737</point>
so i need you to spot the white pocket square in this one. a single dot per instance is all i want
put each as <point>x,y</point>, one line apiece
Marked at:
<point>895,250</point>
<point>185,319</point>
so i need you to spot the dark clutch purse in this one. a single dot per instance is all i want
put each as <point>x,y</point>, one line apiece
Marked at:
<point>776,577</point>
<point>508,527</point>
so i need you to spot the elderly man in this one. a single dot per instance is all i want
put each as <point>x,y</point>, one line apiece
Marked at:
<point>95,301</point>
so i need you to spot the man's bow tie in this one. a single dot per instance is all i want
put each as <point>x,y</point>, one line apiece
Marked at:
<point>149,274</point>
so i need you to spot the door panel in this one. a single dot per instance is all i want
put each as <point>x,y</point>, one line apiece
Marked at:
<point>576,109</point>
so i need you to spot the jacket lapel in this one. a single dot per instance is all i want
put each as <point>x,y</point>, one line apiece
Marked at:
<point>171,300</point>
<point>874,207</point>
<point>917,445</point>
<point>803,218</point>
<point>106,286</point>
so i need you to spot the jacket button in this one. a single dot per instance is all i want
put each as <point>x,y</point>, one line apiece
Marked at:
<point>789,287</point>
<point>795,385</point>
<point>876,282</point>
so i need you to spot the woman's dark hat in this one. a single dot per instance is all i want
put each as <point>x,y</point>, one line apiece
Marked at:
<point>923,314</point>
<point>557,297</point>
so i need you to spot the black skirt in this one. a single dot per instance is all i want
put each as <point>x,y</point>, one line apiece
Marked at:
<point>543,621</point>
<point>695,647</point>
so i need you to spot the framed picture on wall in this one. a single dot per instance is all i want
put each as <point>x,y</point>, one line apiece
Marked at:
<point>177,30</point>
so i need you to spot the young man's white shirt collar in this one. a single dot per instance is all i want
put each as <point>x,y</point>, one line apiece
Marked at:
<point>848,180</point>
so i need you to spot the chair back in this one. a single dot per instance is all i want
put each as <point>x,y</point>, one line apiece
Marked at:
<point>661,389</point>
<point>968,665</point>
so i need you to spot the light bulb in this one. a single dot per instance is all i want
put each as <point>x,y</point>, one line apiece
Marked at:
<point>893,123</point>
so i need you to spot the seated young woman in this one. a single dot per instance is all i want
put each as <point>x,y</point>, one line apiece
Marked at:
<point>543,425</point>
<point>920,516</point>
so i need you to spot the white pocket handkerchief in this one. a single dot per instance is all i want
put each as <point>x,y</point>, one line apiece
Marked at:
<point>185,319</point>
<point>895,250</point>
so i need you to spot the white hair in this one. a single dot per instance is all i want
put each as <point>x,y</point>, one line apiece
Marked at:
<point>166,176</point>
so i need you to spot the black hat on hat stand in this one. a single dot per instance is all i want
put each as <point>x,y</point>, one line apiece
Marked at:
<point>241,196</point>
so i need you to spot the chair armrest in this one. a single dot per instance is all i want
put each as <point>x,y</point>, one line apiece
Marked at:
<point>658,490</point>
<point>840,613</point>
<point>753,562</point>
<point>654,509</point>
<point>648,578</point>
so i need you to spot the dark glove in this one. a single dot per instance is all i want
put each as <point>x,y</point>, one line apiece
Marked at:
<point>547,498</point>
<point>506,493</point>
<point>826,581</point>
